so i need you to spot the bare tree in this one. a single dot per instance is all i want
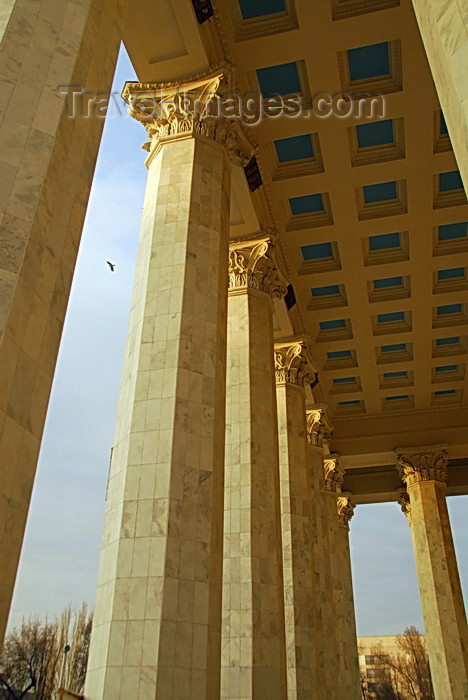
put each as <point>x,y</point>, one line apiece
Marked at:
<point>34,656</point>
<point>410,672</point>
<point>414,662</point>
<point>76,659</point>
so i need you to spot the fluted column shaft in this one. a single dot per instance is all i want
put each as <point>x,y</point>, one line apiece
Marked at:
<point>424,470</point>
<point>293,371</point>
<point>253,653</point>
<point>157,625</point>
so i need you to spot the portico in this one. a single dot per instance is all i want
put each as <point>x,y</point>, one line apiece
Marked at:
<point>297,341</point>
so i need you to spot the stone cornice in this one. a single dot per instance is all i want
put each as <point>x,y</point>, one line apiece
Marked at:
<point>424,463</point>
<point>220,71</point>
<point>319,427</point>
<point>293,363</point>
<point>252,264</point>
<point>418,412</point>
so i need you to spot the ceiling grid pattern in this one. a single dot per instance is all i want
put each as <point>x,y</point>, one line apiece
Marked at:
<point>360,211</point>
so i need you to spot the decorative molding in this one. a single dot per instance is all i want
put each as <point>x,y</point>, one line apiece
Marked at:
<point>388,255</point>
<point>382,153</point>
<point>341,362</point>
<point>252,264</point>
<point>334,475</point>
<point>255,27</point>
<point>395,382</point>
<point>300,222</point>
<point>312,267</point>
<point>294,168</point>
<point>293,363</point>
<point>403,355</point>
<point>220,37</point>
<point>329,301</point>
<point>451,198</point>
<point>426,463</point>
<point>422,411</point>
<point>331,334</point>
<point>459,348</point>
<point>450,285</point>
<point>345,509</point>
<point>391,327</point>
<point>342,9</point>
<point>402,291</point>
<point>391,207</point>
<point>380,85</point>
<point>181,109</point>
<point>221,70</point>
<point>319,427</point>
<point>450,247</point>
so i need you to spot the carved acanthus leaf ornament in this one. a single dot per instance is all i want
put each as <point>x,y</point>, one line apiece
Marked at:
<point>334,475</point>
<point>345,509</point>
<point>428,463</point>
<point>293,364</point>
<point>319,427</point>
<point>252,264</point>
<point>169,111</point>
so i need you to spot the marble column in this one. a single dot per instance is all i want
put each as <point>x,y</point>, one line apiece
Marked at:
<point>444,31</point>
<point>47,163</point>
<point>339,509</point>
<point>424,471</point>
<point>157,624</point>
<point>294,370</point>
<point>319,434</point>
<point>253,644</point>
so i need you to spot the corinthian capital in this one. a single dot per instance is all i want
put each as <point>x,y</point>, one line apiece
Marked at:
<point>194,105</point>
<point>319,427</point>
<point>334,475</point>
<point>252,264</point>
<point>426,463</point>
<point>345,509</point>
<point>293,363</point>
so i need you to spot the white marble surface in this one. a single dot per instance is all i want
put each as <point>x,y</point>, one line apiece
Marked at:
<point>158,609</point>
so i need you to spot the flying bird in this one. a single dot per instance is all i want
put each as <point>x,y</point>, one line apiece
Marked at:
<point>111,265</point>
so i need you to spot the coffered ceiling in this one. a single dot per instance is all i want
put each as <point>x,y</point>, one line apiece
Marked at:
<point>370,212</point>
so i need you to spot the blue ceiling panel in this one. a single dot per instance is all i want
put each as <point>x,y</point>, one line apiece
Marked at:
<point>294,148</point>
<point>369,61</point>
<point>317,251</point>
<point>260,8</point>
<point>450,181</point>
<point>279,80</point>
<point>375,134</point>
<point>384,241</point>
<point>448,232</point>
<point>307,204</point>
<point>381,192</point>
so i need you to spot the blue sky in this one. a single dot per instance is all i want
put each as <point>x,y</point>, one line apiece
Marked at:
<point>61,549</point>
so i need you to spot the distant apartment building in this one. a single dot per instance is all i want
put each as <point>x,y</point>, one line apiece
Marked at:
<point>389,672</point>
